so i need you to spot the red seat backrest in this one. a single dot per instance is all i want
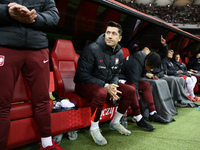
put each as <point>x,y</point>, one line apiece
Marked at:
<point>64,62</point>
<point>187,60</point>
<point>126,52</point>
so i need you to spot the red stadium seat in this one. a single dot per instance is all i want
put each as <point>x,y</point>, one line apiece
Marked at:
<point>187,60</point>
<point>126,52</point>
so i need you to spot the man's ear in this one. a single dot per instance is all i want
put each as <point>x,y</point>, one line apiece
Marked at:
<point>120,38</point>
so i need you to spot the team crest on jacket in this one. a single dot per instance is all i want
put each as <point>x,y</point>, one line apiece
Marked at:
<point>2,58</point>
<point>116,61</point>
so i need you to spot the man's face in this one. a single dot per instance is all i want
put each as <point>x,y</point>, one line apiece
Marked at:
<point>177,58</point>
<point>147,67</point>
<point>198,55</point>
<point>112,36</point>
<point>170,54</point>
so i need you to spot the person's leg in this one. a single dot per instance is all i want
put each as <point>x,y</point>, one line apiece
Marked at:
<point>190,86</point>
<point>145,87</point>
<point>127,97</point>
<point>136,111</point>
<point>193,83</point>
<point>147,95</point>
<point>10,66</point>
<point>36,71</point>
<point>97,95</point>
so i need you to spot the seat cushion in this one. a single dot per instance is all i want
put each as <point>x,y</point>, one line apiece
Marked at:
<point>23,110</point>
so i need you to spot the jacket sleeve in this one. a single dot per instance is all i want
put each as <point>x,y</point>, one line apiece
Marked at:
<point>163,51</point>
<point>49,16</point>
<point>86,66</point>
<point>4,17</point>
<point>191,63</point>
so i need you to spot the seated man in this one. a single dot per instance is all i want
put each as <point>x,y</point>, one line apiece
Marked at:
<point>97,79</point>
<point>194,64</point>
<point>132,71</point>
<point>190,80</point>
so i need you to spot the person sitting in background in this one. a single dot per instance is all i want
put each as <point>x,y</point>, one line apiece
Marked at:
<point>194,64</point>
<point>171,70</point>
<point>134,67</point>
<point>190,80</point>
<point>176,85</point>
<point>160,90</point>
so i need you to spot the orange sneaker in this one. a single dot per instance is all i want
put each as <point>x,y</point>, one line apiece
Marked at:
<point>53,147</point>
<point>194,100</point>
<point>197,98</point>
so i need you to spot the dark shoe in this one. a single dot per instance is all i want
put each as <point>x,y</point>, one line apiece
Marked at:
<point>157,118</point>
<point>180,105</point>
<point>145,125</point>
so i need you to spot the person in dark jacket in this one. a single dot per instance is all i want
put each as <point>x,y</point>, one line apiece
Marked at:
<point>194,64</point>
<point>133,69</point>
<point>175,83</point>
<point>23,48</point>
<point>97,76</point>
<point>189,79</point>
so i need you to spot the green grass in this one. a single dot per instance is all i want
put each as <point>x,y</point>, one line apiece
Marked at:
<point>182,134</point>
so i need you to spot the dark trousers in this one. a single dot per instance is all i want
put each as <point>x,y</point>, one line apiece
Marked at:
<point>145,87</point>
<point>98,95</point>
<point>35,67</point>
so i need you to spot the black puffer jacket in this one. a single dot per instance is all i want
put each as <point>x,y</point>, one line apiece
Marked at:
<point>181,66</point>
<point>194,64</point>
<point>133,68</point>
<point>27,36</point>
<point>168,67</point>
<point>99,63</point>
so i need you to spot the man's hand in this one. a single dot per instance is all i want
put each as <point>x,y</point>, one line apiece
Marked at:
<point>179,71</point>
<point>21,13</point>
<point>155,78</point>
<point>149,75</point>
<point>112,90</point>
<point>163,41</point>
<point>165,75</point>
<point>194,71</point>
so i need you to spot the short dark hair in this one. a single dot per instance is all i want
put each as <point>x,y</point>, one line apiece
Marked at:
<point>115,24</point>
<point>153,60</point>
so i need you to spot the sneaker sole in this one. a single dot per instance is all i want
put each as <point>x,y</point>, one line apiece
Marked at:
<point>101,144</point>
<point>147,129</point>
<point>119,131</point>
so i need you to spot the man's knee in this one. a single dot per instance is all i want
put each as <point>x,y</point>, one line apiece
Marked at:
<point>101,93</point>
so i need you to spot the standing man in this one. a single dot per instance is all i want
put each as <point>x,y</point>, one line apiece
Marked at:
<point>23,48</point>
<point>97,79</point>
